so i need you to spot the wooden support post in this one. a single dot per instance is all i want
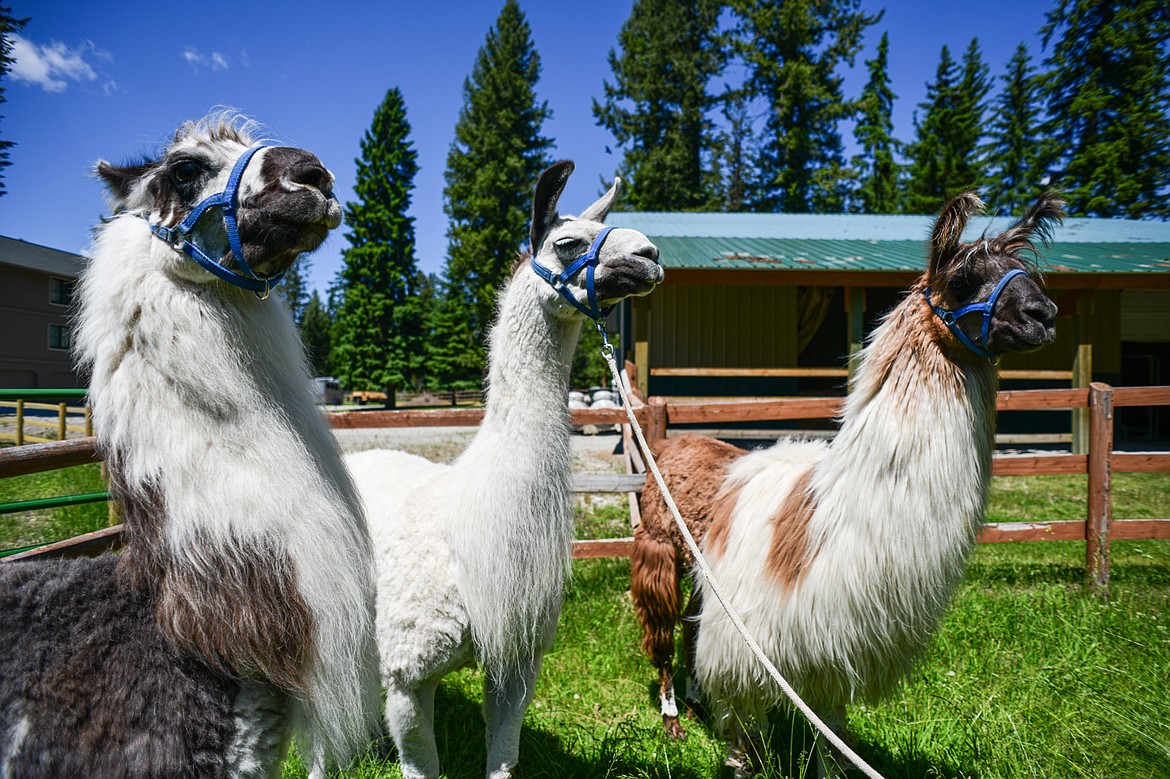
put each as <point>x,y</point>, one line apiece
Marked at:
<point>656,434</point>
<point>641,309</point>
<point>88,420</point>
<point>20,422</point>
<point>1100,466</point>
<point>62,416</point>
<point>855,311</point>
<point>1082,373</point>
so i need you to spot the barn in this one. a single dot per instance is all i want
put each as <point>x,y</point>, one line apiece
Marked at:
<point>774,304</point>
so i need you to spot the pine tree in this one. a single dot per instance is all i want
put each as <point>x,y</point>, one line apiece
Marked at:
<point>875,168</point>
<point>1107,90</point>
<point>657,106</point>
<point>793,49</point>
<point>374,334</point>
<point>492,168</point>
<point>734,157</point>
<point>315,335</point>
<point>8,26</point>
<point>945,155</point>
<point>1015,163</point>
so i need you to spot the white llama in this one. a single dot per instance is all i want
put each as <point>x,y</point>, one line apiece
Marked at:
<point>472,556</point>
<point>241,611</point>
<point>841,558</point>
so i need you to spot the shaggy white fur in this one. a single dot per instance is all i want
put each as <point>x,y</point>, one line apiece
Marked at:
<point>202,391</point>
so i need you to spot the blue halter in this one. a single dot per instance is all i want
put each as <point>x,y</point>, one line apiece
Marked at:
<point>559,281</point>
<point>950,319</point>
<point>179,237</point>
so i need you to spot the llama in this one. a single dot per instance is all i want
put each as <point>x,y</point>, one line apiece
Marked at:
<point>472,556</point>
<point>241,612</point>
<point>841,558</point>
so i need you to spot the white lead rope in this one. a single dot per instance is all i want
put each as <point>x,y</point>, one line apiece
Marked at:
<point>826,731</point>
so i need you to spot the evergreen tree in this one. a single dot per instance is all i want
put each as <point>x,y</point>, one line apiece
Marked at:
<point>793,49</point>
<point>492,168</point>
<point>377,328</point>
<point>875,168</point>
<point>1015,164</point>
<point>1107,90</point>
<point>657,106</point>
<point>453,351</point>
<point>734,155</point>
<point>294,287</point>
<point>315,335</point>
<point>945,156</point>
<point>8,26</point>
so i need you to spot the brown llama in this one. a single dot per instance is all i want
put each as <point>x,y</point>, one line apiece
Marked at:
<point>841,557</point>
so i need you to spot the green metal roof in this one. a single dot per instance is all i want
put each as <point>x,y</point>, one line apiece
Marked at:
<point>716,241</point>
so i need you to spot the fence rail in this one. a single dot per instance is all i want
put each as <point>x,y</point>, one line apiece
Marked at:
<point>19,401</point>
<point>658,414</point>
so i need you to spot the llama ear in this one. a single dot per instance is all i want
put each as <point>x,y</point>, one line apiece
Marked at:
<point>544,204</point>
<point>120,179</point>
<point>948,229</point>
<point>598,211</point>
<point>1038,222</point>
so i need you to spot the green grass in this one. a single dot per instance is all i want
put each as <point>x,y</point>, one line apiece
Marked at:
<point>1030,675</point>
<point>26,528</point>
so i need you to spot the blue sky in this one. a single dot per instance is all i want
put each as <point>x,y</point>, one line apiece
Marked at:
<point>101,80</point>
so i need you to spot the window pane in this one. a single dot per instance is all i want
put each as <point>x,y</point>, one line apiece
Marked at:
<point>60,291</point>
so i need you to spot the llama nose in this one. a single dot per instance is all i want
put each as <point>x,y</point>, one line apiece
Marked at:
<point>1042,310</point>
<point>647,252</point>
<point>311,173</point>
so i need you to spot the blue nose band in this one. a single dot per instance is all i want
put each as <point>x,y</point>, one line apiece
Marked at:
<point>987,308</point>
<point>559,281</point>
<point>227,202</point>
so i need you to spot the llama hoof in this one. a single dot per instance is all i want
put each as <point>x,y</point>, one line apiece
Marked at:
<point>674,729</point>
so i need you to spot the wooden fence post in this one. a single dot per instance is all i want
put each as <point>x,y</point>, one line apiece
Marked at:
<point>62,416</point>
<point>1100,508</point>
<point>657,433</point>
<point>20,421</point>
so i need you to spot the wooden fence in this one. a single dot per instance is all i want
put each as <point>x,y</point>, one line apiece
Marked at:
<point>658,415</point>
<point>59,424</point>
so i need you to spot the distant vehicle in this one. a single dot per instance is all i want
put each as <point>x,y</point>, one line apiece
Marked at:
<point>327,390</point>
<point>362,397</point>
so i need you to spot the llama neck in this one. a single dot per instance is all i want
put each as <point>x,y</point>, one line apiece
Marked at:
<point>529,357</point>
<point>912,462</point>
<point>507,502</point>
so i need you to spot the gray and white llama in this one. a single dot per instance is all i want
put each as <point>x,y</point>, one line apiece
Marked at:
<point>841,558</point>
<point>472,556</point>
<point>240,613</point>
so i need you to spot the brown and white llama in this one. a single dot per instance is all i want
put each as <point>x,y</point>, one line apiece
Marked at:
<point>841,558</point>
<point>472,556</point>
<point>240,613</point>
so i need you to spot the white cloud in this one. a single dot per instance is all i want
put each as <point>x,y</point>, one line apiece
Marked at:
<point>215,61</point>
<point>53,65</point>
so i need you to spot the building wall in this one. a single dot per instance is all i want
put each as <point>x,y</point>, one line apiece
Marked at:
<point>26,361</point>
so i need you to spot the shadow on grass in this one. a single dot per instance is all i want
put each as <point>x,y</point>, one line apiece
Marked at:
<point>459,733</point>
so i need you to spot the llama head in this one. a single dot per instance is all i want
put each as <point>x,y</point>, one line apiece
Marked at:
<point>626,261</point>
<point>988,291</point>
<point>284,200</point>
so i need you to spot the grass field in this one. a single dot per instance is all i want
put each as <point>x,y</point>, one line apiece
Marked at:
<point>1030,675</point>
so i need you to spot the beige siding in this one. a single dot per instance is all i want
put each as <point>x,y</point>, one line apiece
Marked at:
<point>719,326</point>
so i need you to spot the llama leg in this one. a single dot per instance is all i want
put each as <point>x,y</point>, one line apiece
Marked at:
<point>828,759</point>
<point>654,587</point>
<point>410,717</point>
<point>504,705</point>
<point>690,622</point>
<point>743,726</point>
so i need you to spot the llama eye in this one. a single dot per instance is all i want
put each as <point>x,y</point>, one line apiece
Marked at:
<point>565,244</point>
<point>186,172</point>
<point>963,287</point>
